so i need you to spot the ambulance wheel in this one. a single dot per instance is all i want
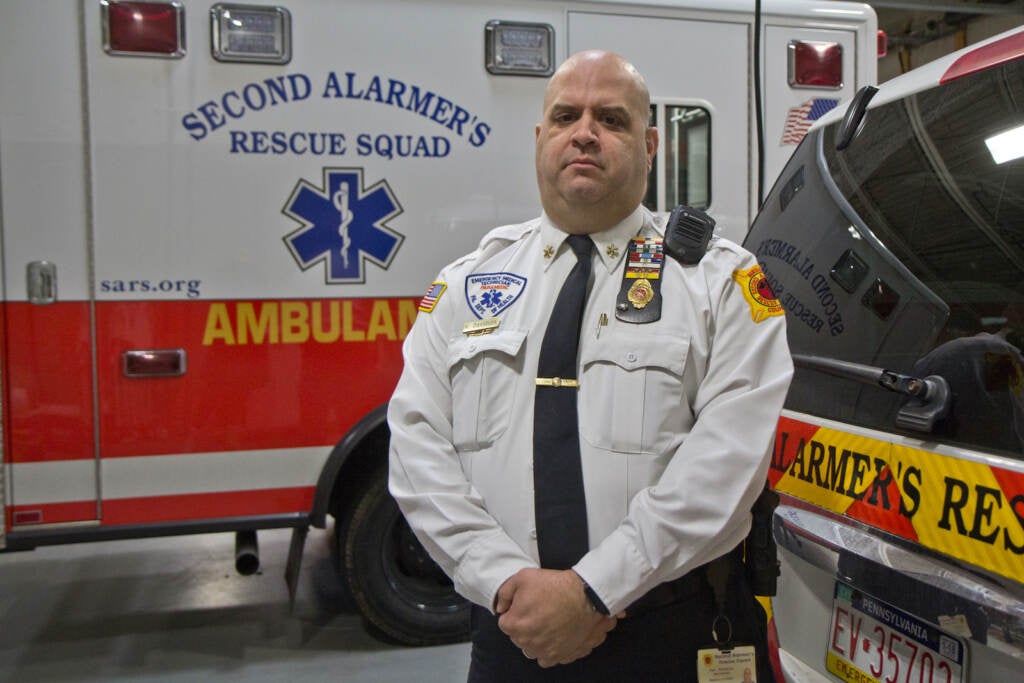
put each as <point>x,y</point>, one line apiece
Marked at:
<point>402,594</point>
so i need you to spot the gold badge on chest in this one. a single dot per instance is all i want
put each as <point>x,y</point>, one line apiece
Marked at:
<point>639,298</point>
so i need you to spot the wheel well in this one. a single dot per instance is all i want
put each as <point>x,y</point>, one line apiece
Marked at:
<point>351,464</point>
<point>370,455</point>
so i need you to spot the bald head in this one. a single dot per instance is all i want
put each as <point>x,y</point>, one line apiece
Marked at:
<point>602,61</point>
<point>594,145</point>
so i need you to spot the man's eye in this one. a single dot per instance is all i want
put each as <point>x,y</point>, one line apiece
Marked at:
<point>613,121</point>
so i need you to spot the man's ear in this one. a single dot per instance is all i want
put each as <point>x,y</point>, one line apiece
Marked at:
<point>651,139</point>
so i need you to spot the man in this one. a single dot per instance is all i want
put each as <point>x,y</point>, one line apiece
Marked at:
<point>675,415</point>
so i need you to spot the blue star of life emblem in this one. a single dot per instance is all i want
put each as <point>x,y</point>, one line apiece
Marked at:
<point>343,224</point>
<point>489,294</point>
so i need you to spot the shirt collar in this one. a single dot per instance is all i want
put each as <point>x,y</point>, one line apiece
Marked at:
<point>610,245</point>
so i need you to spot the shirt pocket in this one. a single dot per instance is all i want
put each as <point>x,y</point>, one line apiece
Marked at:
<point>483,370</point>
<point>632,397</point>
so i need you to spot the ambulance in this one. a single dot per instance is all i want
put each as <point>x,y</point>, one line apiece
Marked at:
<point>219,221</point>
<point>894,239</point>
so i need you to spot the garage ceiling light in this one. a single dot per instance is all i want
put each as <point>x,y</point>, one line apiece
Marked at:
<point>1006,146</point>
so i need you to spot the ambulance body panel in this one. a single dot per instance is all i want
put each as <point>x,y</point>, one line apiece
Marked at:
<point>209,266</point>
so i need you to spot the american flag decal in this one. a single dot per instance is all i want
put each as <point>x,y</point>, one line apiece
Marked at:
<point>429,300</point>
<point>799,119</point>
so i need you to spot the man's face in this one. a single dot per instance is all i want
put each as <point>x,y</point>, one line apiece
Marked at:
<point>594,147</point>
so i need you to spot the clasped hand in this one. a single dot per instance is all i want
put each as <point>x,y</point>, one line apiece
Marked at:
<point>548,617</point>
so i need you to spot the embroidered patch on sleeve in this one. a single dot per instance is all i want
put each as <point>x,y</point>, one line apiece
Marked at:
<point>433,295</point>
<point>489,294</point>
<point>758,293</point>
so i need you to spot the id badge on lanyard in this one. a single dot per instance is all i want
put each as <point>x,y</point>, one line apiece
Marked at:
<point>727,661</point>
<point>732,665</point>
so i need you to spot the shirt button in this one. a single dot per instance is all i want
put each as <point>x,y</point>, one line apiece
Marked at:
<point>631,357</point>
<point>533,533</point>
<point>472,347</point>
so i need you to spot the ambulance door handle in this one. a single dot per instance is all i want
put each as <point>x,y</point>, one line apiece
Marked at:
<point>137,363</point>
<point>41,281</point>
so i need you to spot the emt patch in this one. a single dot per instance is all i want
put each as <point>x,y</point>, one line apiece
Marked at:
<point>758,293</point>
<point>432,296</point>
<point>489,294</point>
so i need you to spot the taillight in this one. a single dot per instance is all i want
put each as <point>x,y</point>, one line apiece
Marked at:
<point>814,64</point>
<point>883,44</point>
<point>153,29</point>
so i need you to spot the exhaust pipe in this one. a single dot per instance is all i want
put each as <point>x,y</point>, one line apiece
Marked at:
<point>247,553</point>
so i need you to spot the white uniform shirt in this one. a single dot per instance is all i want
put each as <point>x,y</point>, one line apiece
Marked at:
<point>677,417</point>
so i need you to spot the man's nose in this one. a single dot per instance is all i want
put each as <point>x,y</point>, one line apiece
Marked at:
<point>585,131</point>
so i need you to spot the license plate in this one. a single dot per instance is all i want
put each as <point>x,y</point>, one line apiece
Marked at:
<point>873,642</point>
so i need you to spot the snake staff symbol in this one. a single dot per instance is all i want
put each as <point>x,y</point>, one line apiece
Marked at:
<point>341,203</point>
<point>343,224</point>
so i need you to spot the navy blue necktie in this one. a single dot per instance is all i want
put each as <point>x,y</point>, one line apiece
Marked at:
<point>560,508</point>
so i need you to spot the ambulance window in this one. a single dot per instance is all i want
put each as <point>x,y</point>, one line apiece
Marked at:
<point>686,175</point>
<point>651,198</point>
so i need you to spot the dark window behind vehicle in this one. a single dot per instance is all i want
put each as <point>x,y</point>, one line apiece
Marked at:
<point>906,251</point>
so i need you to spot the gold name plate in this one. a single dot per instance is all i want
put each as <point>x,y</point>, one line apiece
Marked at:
<point>477,327</point>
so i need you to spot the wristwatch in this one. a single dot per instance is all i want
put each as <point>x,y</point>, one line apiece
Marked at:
<point>594,600</point>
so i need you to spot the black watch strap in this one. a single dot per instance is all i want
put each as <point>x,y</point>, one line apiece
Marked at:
<point>594,600</point>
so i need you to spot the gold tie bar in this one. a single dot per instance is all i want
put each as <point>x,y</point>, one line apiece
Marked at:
<point>557,382</point>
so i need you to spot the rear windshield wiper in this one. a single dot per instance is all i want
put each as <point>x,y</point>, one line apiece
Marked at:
<point>929,396</point>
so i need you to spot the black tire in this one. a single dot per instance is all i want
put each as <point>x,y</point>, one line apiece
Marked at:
<point>402,594</point>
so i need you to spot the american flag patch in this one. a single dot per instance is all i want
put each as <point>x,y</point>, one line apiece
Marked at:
<point>646,255</point>
<point>799,119</point>
<point>430,299</point>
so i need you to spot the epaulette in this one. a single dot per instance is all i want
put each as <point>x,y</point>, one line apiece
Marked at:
<point>507,234</point>
<point>495,240</point>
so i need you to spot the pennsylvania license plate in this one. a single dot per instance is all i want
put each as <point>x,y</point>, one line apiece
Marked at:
<point>873,642</point>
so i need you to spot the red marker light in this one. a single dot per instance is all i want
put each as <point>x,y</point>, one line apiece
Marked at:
<point>143,28</point>
<point>883,43</point>
<point>814,64</point>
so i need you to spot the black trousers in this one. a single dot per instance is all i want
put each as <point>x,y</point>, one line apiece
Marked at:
<point>659,646</point>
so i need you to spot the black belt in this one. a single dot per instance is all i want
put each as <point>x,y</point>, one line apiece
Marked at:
<point>685,587</point>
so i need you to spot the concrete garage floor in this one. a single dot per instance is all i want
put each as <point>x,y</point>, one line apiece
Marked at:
<point>173,609</point>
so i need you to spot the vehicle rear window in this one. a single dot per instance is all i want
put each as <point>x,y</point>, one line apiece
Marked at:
<point>923,177</point>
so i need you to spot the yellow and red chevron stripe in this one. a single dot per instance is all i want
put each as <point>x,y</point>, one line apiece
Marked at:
<point>966,505</point>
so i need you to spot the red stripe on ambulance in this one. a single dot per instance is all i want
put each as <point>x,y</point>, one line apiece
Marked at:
<point>155,509</point>
<point>49,407</point>
<point>51,513</point>
<point>260,374</point>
